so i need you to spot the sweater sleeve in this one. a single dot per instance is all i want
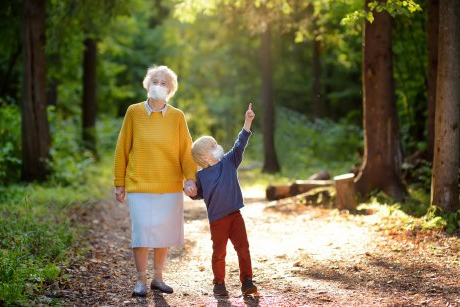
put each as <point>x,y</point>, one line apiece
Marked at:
<point>124,144</point>
<point>236,153</point>
<point>189,167</point>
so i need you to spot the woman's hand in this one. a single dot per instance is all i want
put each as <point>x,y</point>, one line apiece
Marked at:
<point>190,188</point>
<point>120,194</point>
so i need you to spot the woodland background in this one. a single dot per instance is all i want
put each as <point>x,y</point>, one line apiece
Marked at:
<point>69,69</point>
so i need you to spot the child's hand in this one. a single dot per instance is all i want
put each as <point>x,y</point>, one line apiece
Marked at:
<point>250,113</point>
<point>249,116</point>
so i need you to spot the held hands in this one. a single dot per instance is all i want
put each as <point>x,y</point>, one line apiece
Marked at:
<point>190,188</point>
<point>120,194</point>
<point>248,118</point>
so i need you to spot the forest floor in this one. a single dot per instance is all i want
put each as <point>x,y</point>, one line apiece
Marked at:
<point>302,256</point>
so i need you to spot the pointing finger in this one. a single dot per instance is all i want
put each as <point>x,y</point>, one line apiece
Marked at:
<point>250,106</point>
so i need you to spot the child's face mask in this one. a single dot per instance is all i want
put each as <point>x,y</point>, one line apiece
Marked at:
<point>218,153</point>
<point>158,92</point>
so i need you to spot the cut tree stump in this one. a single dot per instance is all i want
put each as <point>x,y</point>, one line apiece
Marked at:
<point>346,192</point>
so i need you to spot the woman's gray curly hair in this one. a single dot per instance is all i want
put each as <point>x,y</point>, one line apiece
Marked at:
<point>170,75</point>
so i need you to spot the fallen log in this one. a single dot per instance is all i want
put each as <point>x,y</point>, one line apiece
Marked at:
<point>277,192</point>
<point>345,192</point>
<point>321,175</point>
<point>316,197</point>
<point>317,180</point>
<point>298,187</point>
<point>302,186</point>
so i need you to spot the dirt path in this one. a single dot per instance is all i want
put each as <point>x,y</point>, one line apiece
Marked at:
<point>302,256</point>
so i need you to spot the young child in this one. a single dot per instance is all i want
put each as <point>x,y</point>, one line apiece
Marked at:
<point>217,183</point>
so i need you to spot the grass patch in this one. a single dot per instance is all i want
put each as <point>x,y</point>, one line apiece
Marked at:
<point>414,213</point>
<point>40,226</point>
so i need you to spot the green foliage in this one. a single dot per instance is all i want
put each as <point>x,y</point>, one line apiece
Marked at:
<point>10,144</point>
<point>418,175</point>
<point>133,45</point>
<point>409,48</point>
<point>393,7</point>
<point>450,221</point>
<point>107,129</point>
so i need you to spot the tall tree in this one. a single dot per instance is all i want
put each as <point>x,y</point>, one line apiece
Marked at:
<point>380,168</point>
<point>35,130</point>
<point>95,18</point>
<point>444,183</point>
<point>433,29</point>
<point>271,164</point>
<point>89,94</point>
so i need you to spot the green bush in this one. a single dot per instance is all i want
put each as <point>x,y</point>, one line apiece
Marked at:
<point>107,134</point>
<point>305,145</point>
<point>68,158</point>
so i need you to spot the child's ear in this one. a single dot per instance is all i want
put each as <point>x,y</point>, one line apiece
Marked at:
<point>209,159</point>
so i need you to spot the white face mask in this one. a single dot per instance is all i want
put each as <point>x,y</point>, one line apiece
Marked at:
<point>158,92</point>
<point>218,153</point>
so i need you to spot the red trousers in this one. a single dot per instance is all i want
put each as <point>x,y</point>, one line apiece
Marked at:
<point>230,227</point>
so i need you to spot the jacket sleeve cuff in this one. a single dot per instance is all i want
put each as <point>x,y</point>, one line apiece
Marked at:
<point>246,133</point>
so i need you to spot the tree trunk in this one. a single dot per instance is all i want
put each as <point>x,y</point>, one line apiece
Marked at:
<point>380,168</point>
<point>89,95</point>
<point>268,113</point>
<point>317,97</point>
<point>36,139</point>
<point>433,29</point>
<point>346,192</point>
<point>444,183</point>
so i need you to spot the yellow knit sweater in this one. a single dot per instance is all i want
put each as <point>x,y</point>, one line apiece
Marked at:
<point>153,153</point>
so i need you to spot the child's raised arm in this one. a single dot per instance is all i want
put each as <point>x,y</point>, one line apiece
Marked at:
<point>248,118</point>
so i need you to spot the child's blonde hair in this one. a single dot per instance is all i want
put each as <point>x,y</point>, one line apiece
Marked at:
<point>201,149</point>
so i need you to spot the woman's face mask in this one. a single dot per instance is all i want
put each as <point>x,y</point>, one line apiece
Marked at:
<point>218,153</point>
<point>158,92</point>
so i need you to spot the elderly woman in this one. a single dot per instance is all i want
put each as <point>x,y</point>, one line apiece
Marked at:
<point>152,160</point>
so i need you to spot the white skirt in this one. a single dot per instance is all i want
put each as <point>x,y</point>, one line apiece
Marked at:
<point>157,220</point>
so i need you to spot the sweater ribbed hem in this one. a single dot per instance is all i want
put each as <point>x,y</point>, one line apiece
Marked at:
<point>119,182</point>
<point>153,187</point>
